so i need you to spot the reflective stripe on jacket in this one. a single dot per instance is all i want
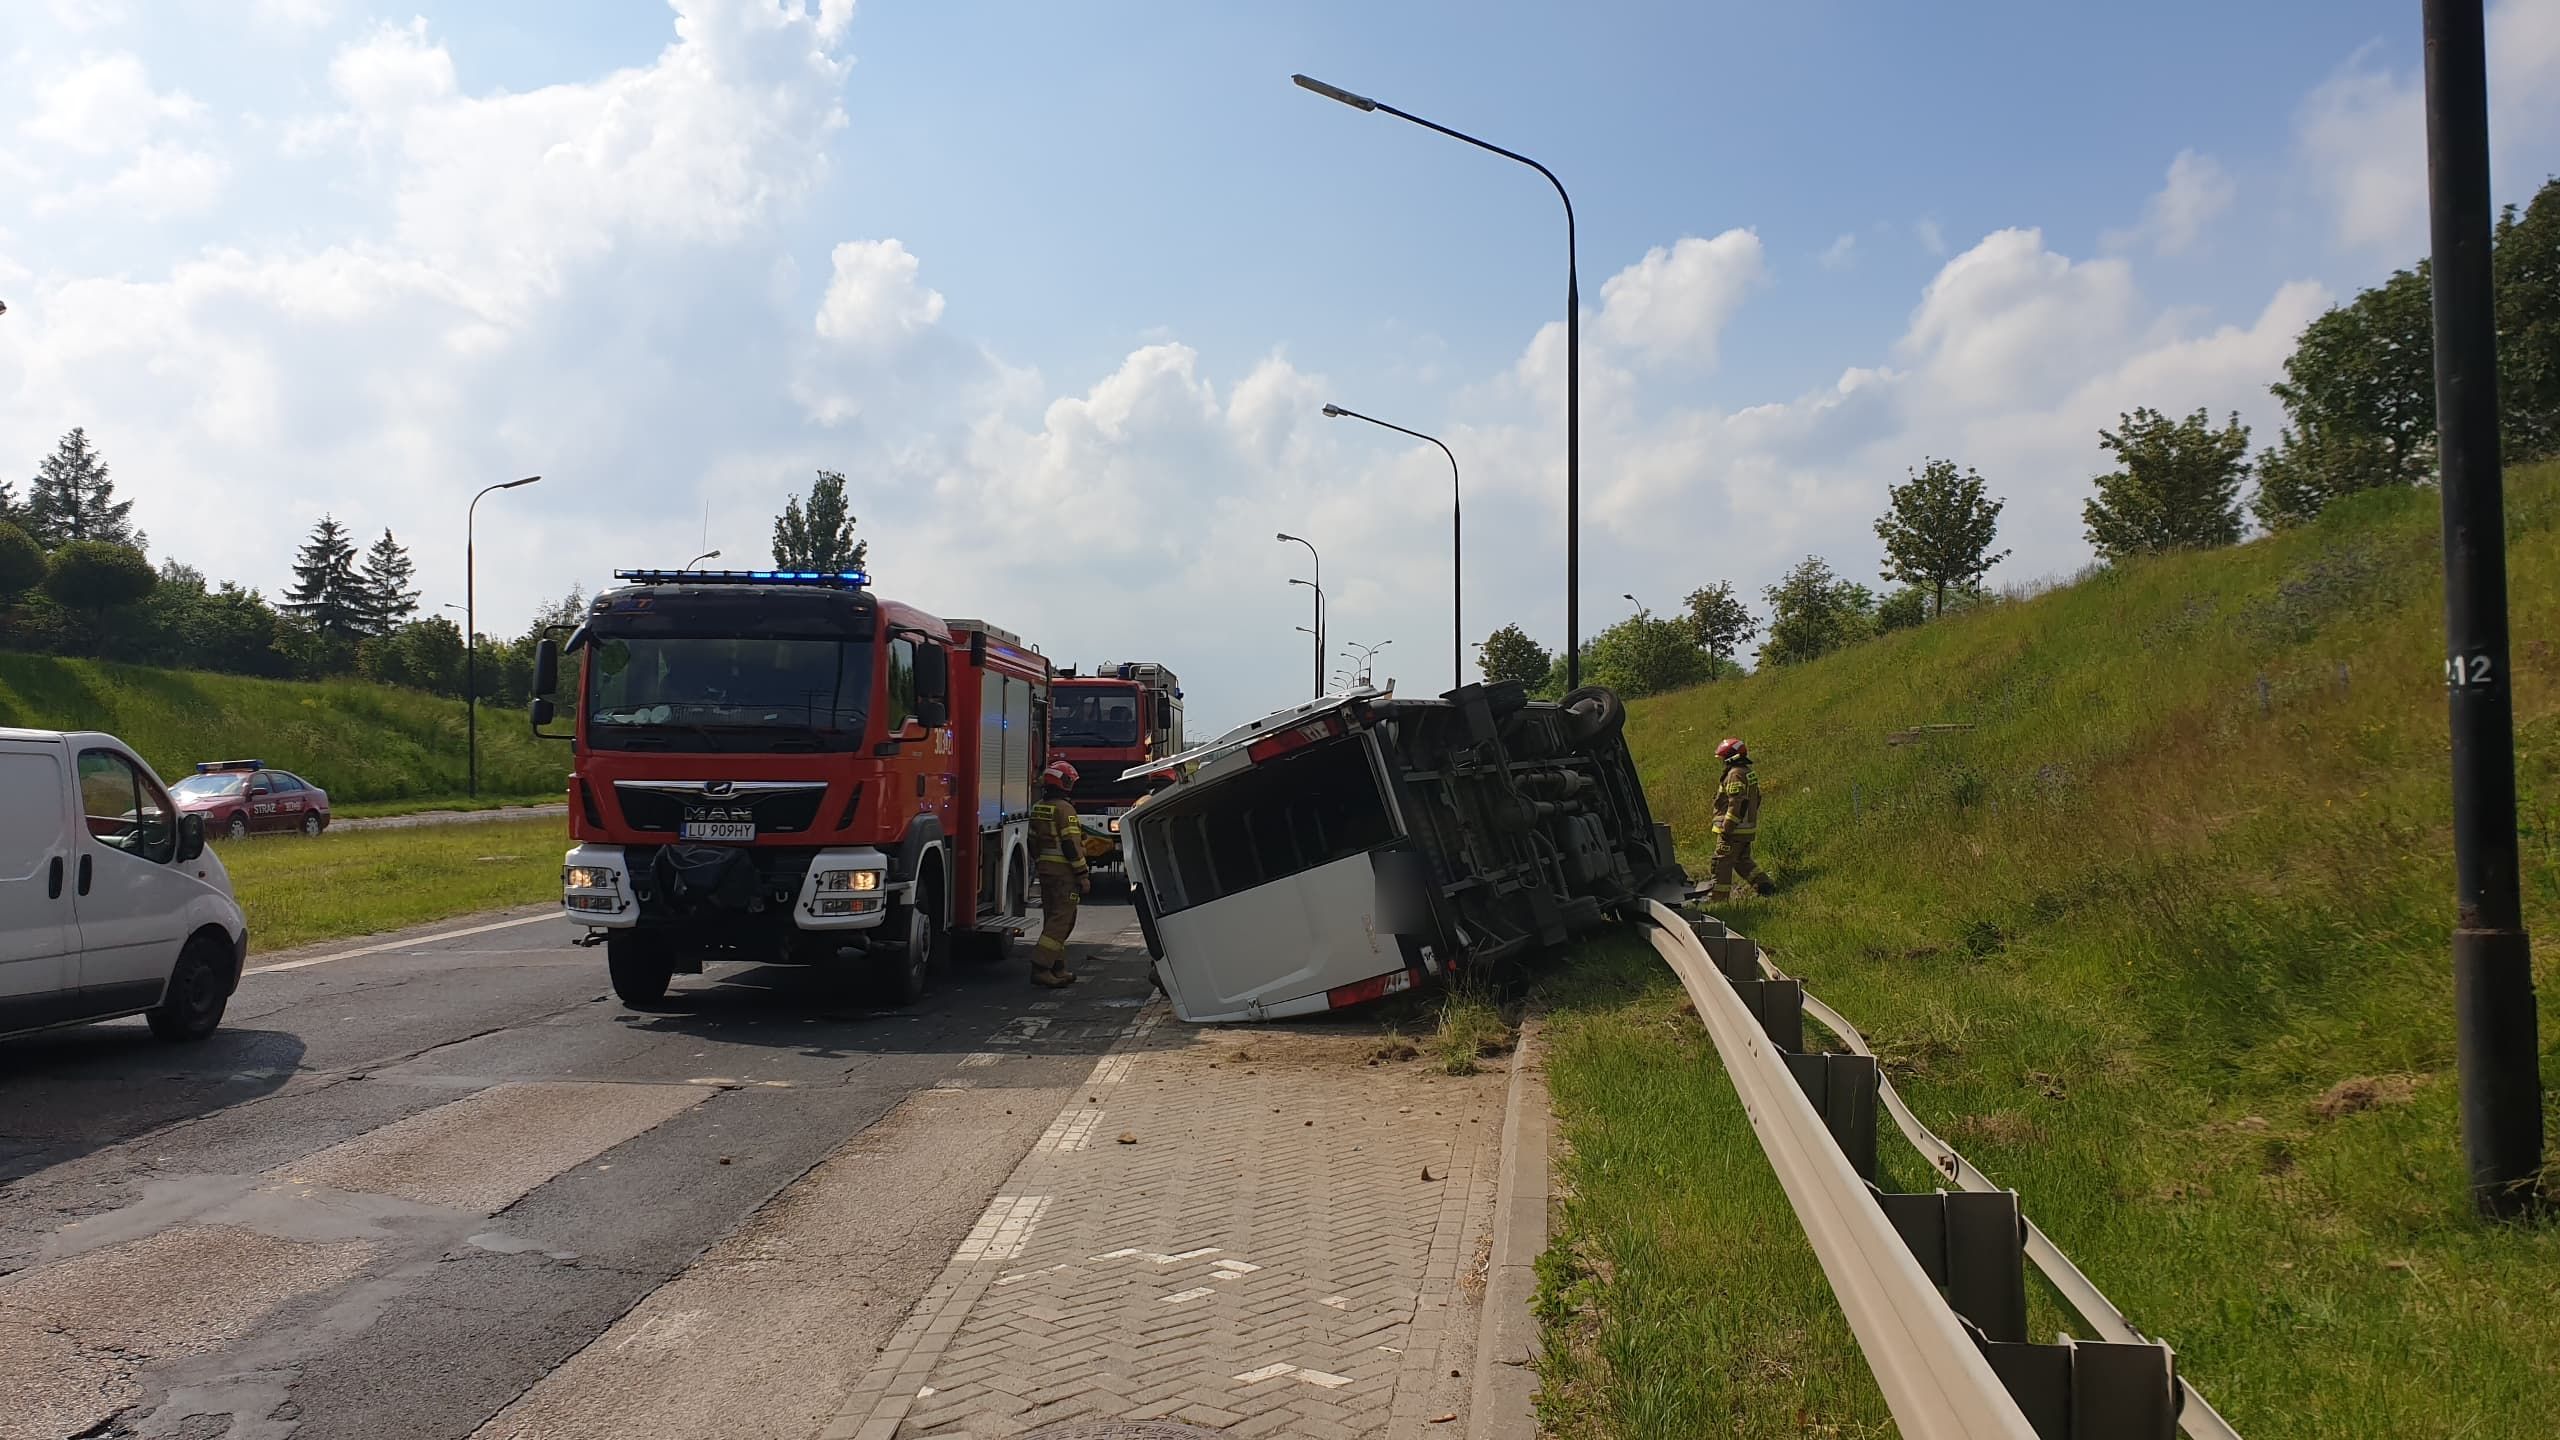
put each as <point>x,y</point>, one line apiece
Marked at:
<point>1738,802</point>
<point>1057,836</point>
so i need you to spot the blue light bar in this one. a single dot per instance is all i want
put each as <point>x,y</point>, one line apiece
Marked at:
<point>838,579</point>
<point>211,767</point>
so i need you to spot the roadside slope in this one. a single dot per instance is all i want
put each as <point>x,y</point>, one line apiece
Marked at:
<point>359,741</point>
<point>2161,941</point>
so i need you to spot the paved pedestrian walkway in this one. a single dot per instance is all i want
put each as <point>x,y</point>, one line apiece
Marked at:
<point>1253,1231</point>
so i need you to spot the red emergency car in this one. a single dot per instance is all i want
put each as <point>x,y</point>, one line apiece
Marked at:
<point>236,797</point>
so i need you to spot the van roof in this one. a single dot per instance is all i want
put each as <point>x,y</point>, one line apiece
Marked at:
<point>57,736</point>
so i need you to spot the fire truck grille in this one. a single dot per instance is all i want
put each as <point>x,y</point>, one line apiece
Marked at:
<point>664,805</point>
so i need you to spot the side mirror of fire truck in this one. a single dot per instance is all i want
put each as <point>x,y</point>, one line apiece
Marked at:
<point>546,667</point>
<point>544,712</point>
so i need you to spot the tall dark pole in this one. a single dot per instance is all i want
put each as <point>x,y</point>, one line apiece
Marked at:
<point>1457,545</point>
<point>2494,1022</point>
<point>1319,587</point>
<point>471,626</point>
<point>1319,656</point>
<point>1572,364</point>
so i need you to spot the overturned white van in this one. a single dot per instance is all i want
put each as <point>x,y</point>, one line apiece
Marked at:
<point>1359,845</point>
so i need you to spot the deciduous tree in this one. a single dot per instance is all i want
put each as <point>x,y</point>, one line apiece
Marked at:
<point>2178,487</point>
<point>1509,654</point>
<point>1813,612</point>
<point>1719,622</point>
<point>1937,530</point>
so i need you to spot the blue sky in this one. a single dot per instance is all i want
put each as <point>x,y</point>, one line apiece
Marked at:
<point>1062,287</point>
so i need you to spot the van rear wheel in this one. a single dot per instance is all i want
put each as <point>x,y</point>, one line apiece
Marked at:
<point>642,966</point>
<point>198,990</point>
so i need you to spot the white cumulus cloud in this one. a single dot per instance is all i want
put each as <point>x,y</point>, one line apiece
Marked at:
<point>1674,303</point>
<point>2197,192</point>
<point>873,297</point>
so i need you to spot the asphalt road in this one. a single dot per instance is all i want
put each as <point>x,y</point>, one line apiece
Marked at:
<point>400,1193</point>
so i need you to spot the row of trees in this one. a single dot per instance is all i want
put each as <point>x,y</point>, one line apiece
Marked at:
<point>75,580</point>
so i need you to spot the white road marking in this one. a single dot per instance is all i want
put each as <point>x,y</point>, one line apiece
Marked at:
<point>1072,1130</point>
<point>1267,1372</point>
<point>1336,1302</point>
<point>1112,1069</point>
<point>1005,1229</point>
<point>981,1057</point>
<point>1233,1269</point>
<point>389,945</point>
<point>1319,1377</point>
<point>1184,1297</point>
<point>1186,1255</point>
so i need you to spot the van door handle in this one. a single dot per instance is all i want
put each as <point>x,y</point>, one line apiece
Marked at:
<point>84,874</point>
<point>53,880</point>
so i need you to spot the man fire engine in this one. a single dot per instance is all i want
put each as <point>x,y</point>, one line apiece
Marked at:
<point>1122,715</point>
<point>783,766</point>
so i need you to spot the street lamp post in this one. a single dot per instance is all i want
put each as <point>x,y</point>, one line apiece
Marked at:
<point>1457,548</point>
<point>1319,632</point>
<point>1572,364</point>
<point>471,626</point>
<point>1287,538</point>
<point>2494,1021</point>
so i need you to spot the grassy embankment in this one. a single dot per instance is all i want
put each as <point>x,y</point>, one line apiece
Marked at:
<point>374,748</point>
<point>2160,941</point>
<point>297,891</point>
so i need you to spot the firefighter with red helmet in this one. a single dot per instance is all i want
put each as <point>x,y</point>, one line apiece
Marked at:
<point>1737,822</point>
<point>1057,848</point>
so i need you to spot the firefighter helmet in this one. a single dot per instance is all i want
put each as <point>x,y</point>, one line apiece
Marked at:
<point>1060,774</point>
<point>1731,748</point>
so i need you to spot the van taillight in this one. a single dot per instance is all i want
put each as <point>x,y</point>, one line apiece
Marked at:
<point>1376,987</point>
<point>1296,737</point>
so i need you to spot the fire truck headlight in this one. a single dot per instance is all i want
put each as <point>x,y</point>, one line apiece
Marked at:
<point>848,880</point>
<point>1115,824</point>
<point>588,877</point>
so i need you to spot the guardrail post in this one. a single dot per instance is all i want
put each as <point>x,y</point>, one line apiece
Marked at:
<point>1972,1245</point>
<point>1843,1091</point>
<point>1779,1007</point>
<point>2091,1390</point>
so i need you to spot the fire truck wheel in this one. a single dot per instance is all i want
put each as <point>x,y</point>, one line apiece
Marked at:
<point>641,967</point>
<point>903,965</point>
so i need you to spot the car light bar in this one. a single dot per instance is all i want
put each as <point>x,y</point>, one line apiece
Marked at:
<point>840,579</point>
<point>213,767</point>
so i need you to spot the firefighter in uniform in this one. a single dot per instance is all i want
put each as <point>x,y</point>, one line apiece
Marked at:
<point>1057,846</point>
<point>1737,821</point>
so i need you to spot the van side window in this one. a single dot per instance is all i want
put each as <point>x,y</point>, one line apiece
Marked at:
<point>1280,819</point>
<point>124,809</point>
<point>902,684</point>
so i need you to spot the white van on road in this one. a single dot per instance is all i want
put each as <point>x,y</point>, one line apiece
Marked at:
<point>110,904</point>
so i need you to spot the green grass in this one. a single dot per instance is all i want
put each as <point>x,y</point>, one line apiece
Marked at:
<point>296,891</point>
<point>366,809</point>
<point>2161,941</point>
<point>361,742</point>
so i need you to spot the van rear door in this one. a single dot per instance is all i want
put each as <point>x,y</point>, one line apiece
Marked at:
<point>37,935</point>
<point>1261,883</point>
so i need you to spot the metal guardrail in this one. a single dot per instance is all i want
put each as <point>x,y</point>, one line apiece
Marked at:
<point>1933,1286</point>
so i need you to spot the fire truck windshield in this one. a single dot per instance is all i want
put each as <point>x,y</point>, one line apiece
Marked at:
<point>726,692</point>
<point>1094,715</point>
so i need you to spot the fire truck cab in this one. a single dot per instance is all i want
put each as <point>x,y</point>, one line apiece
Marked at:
<point>782,766</point>
<point>1121,715</point>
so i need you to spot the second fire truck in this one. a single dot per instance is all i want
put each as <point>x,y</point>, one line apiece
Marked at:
<point>1104,723</point>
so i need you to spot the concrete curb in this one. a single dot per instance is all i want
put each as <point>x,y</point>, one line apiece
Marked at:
<point>1502,1403</point>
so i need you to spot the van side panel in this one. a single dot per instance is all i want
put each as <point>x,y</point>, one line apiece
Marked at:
<point>37,933</point>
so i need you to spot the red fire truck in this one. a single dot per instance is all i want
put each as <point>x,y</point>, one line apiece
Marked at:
<point>783,766</point>
<point>1122,715</point>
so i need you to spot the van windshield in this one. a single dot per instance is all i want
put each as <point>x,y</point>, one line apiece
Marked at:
<point>1279,819</point>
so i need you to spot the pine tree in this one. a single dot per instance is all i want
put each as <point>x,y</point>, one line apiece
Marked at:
<point>390,598</point>
<point>72,499</point>
<point>9,512</point>
<point>327,592</point>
